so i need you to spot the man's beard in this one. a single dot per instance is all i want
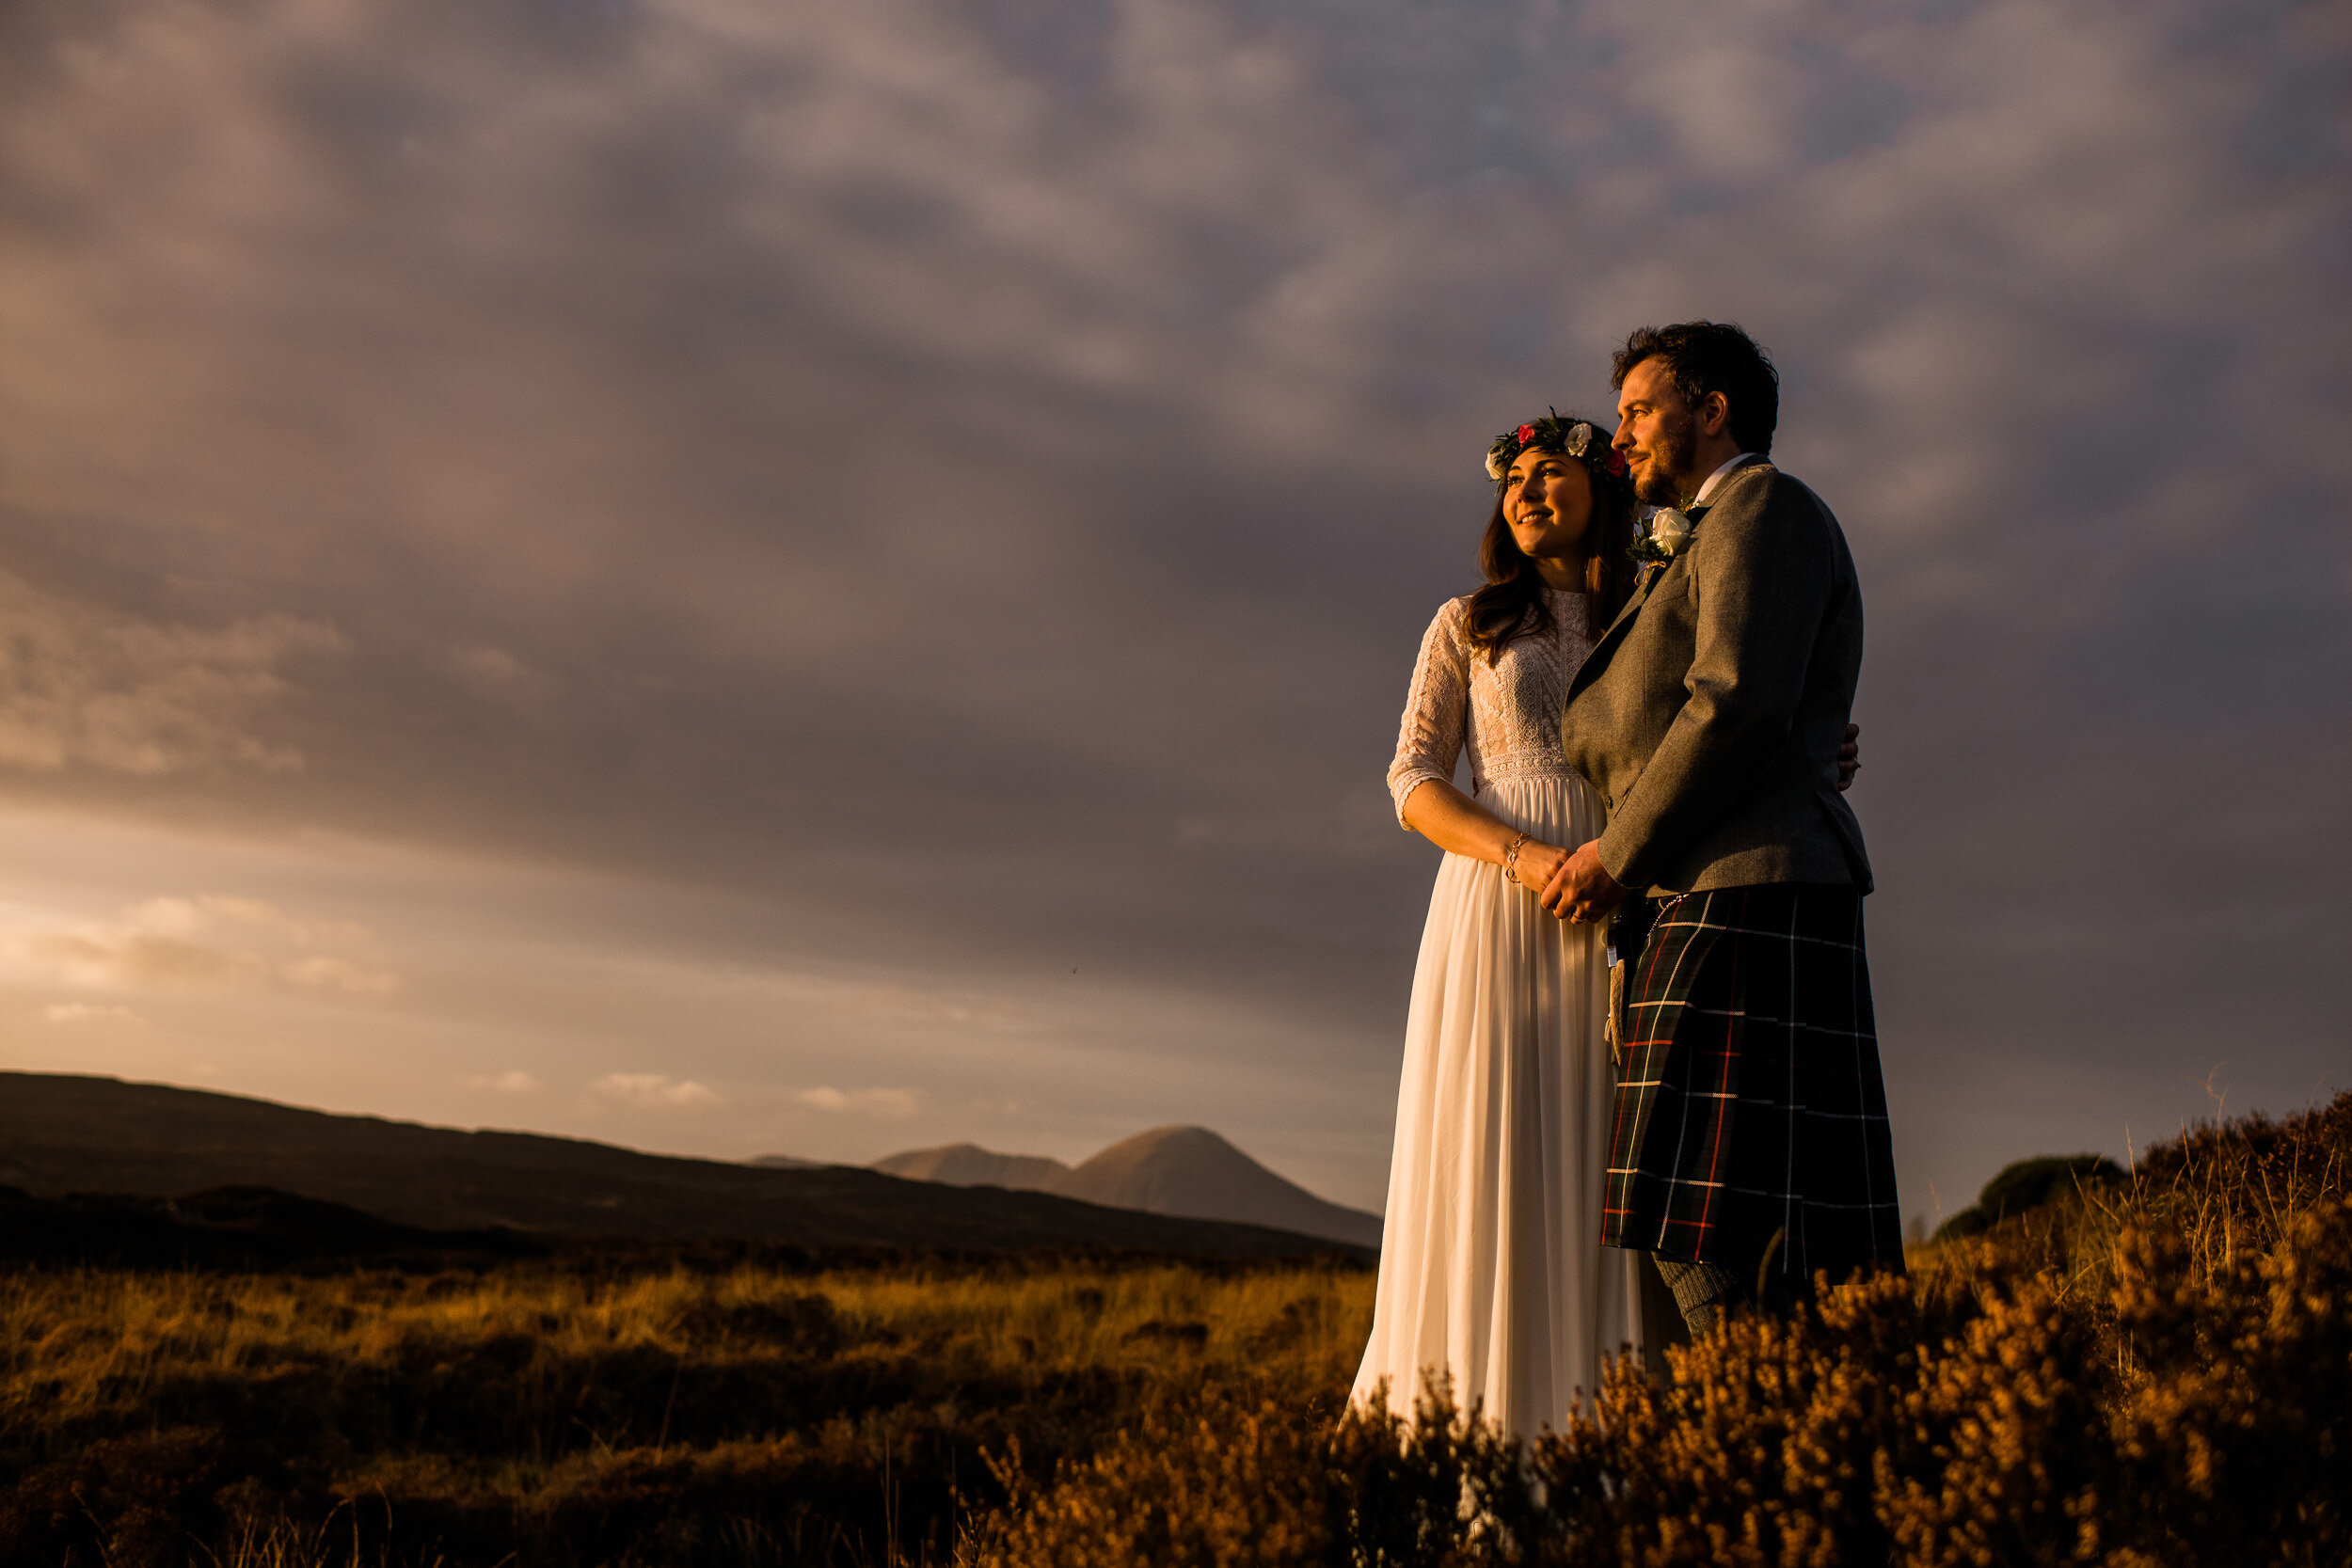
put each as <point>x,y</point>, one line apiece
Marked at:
<point>1671,449</point>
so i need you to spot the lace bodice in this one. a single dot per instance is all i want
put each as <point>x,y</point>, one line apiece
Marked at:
<point>1507,712</point>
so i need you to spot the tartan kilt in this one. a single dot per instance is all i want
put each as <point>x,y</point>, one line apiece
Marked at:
<point>1749,1100</point>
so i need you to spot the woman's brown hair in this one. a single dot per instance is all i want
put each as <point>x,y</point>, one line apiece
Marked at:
<point>1512,605</point>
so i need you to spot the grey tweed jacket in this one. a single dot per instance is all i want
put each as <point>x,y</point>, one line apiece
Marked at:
<point>1709,715</point>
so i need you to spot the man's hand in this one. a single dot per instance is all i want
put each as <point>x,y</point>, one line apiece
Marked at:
<point>1581,890</point>
<point>1850,758</point>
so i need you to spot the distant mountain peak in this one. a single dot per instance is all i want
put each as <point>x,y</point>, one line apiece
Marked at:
<point>1174,1131</point>
<point>1175,1135</point>
<point>1179,1170</point>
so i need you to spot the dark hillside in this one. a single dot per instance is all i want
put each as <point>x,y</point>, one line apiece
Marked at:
<point>64,1134</point>
<point>250,1229</point>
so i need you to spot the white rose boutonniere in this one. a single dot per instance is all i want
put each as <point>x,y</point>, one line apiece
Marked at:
<point>1667,535</point>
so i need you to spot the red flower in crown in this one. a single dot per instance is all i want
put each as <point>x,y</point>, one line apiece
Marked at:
<point>1526,433</point>
<point>1616,463</point>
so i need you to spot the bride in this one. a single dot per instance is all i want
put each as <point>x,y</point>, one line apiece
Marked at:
<point>1492,1273</point>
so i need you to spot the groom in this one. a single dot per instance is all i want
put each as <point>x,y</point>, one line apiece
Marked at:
<point>1750,1144</point>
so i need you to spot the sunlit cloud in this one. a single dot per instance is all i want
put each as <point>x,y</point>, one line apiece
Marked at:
<point>211,942</point>
<point>888,1105</point>
<point>90,1012</point>
<point>495,673</point>
<point>513,1082</point>
<point>651,1091</point>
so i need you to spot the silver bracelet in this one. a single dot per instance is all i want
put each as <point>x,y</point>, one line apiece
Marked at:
<point>1511,862</point>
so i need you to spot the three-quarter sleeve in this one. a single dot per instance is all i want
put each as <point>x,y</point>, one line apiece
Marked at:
<point>1436,709</point>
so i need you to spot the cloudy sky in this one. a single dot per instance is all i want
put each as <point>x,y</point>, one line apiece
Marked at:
<point>738,576</point>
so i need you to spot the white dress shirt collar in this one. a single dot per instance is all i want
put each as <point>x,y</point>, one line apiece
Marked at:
<point>1716,478</point>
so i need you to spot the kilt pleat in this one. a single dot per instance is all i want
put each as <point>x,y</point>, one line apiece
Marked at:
<point>1750,1103</point>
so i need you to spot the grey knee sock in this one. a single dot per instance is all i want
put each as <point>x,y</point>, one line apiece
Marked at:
<point>1699,1290</point>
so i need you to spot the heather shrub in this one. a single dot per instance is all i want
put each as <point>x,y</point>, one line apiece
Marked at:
<point>1227,1476</point>
<point>2155,1371</point>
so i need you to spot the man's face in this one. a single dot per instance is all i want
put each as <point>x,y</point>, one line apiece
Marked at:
<point>1658,434</point>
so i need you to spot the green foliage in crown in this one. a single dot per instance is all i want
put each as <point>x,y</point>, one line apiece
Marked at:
<point>1575,438</point>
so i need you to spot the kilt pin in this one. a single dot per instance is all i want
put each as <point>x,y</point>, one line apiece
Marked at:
<point>1751,1114</point>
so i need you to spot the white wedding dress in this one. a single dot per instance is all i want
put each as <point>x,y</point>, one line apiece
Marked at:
<point>1492,1267</point>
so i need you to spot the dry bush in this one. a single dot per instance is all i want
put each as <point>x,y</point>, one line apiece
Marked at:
<point>2226,1190</point>
<point>2153,1374</point>
<point>1993,1426</point>
<point>1230,1475</point>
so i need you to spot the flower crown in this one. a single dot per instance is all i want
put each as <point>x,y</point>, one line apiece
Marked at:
<point>1555,434</point>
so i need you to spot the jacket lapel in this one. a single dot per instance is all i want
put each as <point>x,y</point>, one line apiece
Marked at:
<point>1598,658</point>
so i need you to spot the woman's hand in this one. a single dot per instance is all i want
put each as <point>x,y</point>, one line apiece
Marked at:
<point>1850,757</point>
<point>1537,862</point>
<point>1459,825</point>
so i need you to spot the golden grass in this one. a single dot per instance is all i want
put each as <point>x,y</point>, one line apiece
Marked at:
<point>82,1342</point>
<point>2154,1372</point>
<point>535,1414</point>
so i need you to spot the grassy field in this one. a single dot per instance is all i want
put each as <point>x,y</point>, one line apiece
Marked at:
<point>2155,1370</point>
<point>620,1414</point>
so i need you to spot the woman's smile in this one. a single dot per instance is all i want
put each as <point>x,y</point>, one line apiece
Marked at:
<point>1547,504</point>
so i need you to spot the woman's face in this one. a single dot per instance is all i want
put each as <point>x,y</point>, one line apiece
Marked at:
<point>1548,503</point>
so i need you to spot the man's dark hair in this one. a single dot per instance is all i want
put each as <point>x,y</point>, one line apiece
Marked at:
<point>1711,356</point>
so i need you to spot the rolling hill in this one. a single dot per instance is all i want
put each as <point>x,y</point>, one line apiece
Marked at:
<point>62,1135</point>
<point>1183,1171</point>
<point>970,1165</point>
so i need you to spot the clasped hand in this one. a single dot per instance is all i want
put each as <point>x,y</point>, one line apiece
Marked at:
<point>1579,890</point>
